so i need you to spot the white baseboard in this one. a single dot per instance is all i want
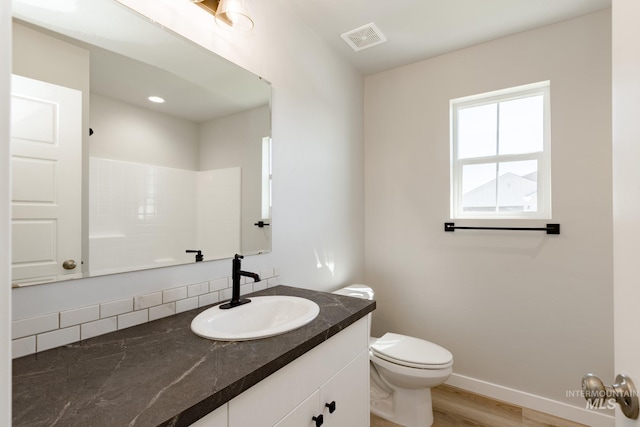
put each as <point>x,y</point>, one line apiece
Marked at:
<point>531,401</point>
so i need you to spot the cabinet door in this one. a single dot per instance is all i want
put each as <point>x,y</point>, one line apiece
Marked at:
<point>303,414</point>
<point>217,418</point>
<point>269,401</point>
<point>348,390</point>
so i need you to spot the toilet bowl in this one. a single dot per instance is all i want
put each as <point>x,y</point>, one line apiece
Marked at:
<point>403,370</point>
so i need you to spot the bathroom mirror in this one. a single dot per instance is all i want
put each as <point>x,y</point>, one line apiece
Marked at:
<point>153,180</point>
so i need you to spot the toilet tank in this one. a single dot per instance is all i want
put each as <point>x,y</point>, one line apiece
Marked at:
<point>358,291</point>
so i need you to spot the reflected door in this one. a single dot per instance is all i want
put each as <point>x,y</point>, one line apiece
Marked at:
<point>46,162</point>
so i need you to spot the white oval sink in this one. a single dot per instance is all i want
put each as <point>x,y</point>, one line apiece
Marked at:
<point>263,317</point>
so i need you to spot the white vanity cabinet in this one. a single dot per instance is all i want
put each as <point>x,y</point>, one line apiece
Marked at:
<point>335,371</point>
<point>341,402</point>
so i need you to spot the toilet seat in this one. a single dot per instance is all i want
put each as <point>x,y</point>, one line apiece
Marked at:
<point>411,352</point>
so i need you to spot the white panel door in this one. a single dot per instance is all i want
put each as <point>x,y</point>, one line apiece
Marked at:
<point>626,191</point>
<point>46,180</point>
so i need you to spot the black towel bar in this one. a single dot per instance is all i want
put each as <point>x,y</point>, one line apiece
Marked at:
<point>550,228</point>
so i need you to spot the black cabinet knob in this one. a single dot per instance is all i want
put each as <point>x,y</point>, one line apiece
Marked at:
<point>319,420</point>
<point>331,406</point>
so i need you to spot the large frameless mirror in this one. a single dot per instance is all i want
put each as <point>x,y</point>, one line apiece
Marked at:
<point>104,180</point>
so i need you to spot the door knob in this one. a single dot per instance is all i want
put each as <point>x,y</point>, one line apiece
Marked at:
<point>623,391</point>
<point>69,264</point>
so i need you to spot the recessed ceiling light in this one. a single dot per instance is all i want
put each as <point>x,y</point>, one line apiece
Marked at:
<point>156,99</point>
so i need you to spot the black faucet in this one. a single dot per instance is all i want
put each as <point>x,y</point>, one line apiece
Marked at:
<point>199,256</point>
<point>235,277</point>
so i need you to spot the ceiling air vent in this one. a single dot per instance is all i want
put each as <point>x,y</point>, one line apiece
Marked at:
<point>366,36</point>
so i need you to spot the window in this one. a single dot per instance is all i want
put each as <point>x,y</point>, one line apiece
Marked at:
<point>500,154</point>
<point>266,178</point>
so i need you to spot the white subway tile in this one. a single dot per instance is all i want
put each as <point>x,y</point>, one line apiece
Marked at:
<point>197,289</point>
<point>99,327</point>
<point>226,294</point>
<point>34,325</point>
<point>244,289</point>
<point>186,304</point>
<point>208,299</point>
<point>79,315</point>
<point>274,281</point>
<point>216,285</point>
<point>266,274</point>
<point>113,308</point>
<point>145,301</point>
<point>258,286</point>
<point>161,311</point>
<point>134,318</point>
<point>23,346</point>
<point>57,338</point>
<point>174,294</point>
<point>276,272</point>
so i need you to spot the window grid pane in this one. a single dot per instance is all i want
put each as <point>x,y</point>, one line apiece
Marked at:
<point>500,149</point>
<point>477,131</point>
<point>518,186</point>
<point>479,187</point>
<point>521,125</point>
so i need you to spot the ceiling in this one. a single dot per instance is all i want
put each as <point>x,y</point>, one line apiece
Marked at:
<point>421,29</point>
<point>114,36</point>
<point>415,30</point>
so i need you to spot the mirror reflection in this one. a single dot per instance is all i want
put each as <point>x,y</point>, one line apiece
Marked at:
<point>106,179</point>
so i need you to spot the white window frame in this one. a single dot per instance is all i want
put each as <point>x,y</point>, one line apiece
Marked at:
<point>543,158</point>
<point>267,178</point>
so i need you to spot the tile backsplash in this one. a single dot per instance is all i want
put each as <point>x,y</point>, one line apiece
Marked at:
<point>52,330</point>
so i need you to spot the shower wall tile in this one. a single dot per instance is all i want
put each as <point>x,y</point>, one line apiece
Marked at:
<point>141,216</point>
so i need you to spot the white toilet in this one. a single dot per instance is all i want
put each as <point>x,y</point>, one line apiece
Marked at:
<point>403,370</point>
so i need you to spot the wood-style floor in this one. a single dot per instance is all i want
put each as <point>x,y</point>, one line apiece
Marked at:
<point>453,407</point>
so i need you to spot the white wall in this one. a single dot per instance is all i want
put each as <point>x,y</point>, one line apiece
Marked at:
<point>41,57</point>
<point>236,141</point>
<point>224,141</point>
<point>129,133</point>
<point>318,166</point>
<point>5,229</point>
<point>525,311</point>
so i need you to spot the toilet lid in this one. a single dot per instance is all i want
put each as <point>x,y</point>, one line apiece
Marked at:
<point>410,351</point>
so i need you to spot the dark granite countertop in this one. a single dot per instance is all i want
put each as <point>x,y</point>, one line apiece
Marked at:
<point>160,373</point>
